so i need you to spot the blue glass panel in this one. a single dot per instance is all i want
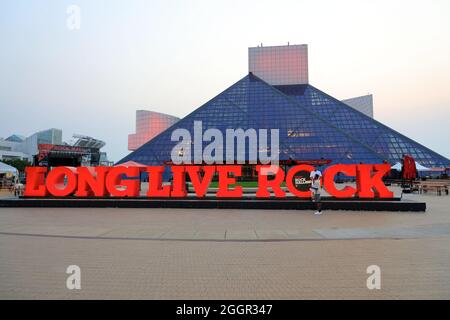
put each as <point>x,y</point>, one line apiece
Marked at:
<point>252,103</point>
<point>385,141</point>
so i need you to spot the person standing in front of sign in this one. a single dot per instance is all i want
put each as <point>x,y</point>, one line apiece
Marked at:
<point>315,189</point>
<point>313,174</point>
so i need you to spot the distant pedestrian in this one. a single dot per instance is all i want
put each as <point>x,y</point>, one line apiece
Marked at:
<point>316,185</point>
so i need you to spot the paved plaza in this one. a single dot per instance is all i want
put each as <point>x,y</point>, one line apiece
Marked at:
<point>225,254</point>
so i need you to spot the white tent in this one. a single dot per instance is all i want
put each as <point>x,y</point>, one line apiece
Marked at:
<point>4,168</point>
<point>420,167</point>
<point>398,166</point>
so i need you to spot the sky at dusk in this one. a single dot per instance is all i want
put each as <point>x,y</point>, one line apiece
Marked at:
<point>173,56</point>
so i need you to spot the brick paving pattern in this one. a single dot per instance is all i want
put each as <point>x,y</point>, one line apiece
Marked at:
<point>225,254</point>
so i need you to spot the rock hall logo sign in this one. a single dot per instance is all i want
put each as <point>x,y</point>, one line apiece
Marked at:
<point>222,156</point>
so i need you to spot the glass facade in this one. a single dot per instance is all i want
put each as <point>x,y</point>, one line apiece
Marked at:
<point>280,65</point>
<point>312,125</point>
<point>253,103</point>
<point>386,142</point>
<point>148,125</point>
<point>50,136</point>
<point>276,95</point>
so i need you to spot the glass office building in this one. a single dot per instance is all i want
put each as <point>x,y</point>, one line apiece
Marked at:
<point>51,136</point>
<point>312,124</point>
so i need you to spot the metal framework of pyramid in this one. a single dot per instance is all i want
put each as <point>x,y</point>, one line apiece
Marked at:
<point>388,143</point>
<point>312,125</point>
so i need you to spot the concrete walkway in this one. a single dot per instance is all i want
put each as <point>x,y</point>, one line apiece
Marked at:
<point>225,254</point>
<point>233,234</point>
<point>227,225</point>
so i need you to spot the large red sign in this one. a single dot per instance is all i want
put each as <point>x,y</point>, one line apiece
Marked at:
<point>116,182</point>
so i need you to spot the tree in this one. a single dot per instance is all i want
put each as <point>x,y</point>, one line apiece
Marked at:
<point>19,164</point>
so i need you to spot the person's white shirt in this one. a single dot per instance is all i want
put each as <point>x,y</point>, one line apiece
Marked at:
<point>313,174</point>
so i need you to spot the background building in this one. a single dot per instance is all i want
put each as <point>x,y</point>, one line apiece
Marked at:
<point>15,138</point>
<point>80,151</point>
<point>9,150</point>
<point>148,125</point>
<point>17,147</point>
<point>46,148</point>
<point>31,143</point>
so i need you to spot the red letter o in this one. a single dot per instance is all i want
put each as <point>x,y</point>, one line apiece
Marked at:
<point>55,179</point>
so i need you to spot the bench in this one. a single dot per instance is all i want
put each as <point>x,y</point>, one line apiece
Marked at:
<point>439,186</point>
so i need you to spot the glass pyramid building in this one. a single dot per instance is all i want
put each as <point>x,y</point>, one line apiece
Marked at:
<point>312,125</point>
<point>386,142</point>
